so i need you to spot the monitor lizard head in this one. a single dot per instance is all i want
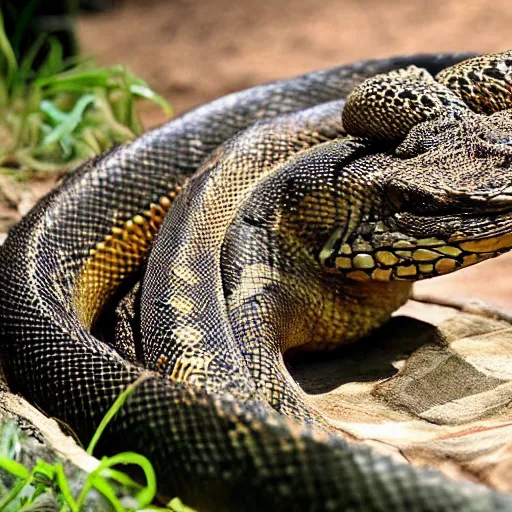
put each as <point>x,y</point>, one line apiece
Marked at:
<point>437,161</point>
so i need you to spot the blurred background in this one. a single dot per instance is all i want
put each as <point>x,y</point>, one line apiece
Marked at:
<point>192,51</point>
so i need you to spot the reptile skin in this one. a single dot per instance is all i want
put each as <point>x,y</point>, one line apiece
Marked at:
<point>291,234</point>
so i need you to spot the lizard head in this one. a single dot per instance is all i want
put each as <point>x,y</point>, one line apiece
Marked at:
<point>440,167</point>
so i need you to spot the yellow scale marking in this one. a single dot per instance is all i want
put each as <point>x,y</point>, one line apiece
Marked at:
<point>364,261</point>
<point>449,250</point>
<point>386,258</point>
<point>446,265</point>
<point>408,271</point>
<point>381,274</point>
<point>120,254</point>
<point>488,245</point>
<point>425,255</point>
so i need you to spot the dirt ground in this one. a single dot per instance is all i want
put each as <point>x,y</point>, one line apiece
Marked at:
<point>192,51</point>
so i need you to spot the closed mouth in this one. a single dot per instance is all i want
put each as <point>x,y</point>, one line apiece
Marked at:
<point>389,250</point>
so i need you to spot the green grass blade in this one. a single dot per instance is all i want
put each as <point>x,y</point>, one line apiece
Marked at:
<point>121,478</point>
<point>27,62</point>
<point>77,81</point>
<point>8,52</point>
<point>54,62</point>
<point>178,506</point>
<point>4,91</point>
<point>98,480</point>
<point>43,469</point>
<point>145,92</point>
<point>120,400</point>
<point>55,114</point>
<point>15,468</point>
<point>22,21</point>
<point>146,495</point>
<point>72,120</point>
<point>13,494</point>
<point>101,485</point>
<point>64,488</point>
<point>119,131</point>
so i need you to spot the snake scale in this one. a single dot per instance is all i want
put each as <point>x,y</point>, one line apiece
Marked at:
<point>259,223</point>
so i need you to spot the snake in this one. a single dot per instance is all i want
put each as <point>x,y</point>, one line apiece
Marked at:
<point>289,216</point>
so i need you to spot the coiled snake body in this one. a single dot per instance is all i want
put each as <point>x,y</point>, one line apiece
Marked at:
<point>290,234</point>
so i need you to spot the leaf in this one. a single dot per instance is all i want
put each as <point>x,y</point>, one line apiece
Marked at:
<point>178,506</point>
<point>15,468</point>
<point>7,51</point>
<point>55,114</point>
<point>64,488</point>
<point>15,491</point>
<point>23,18</point>
<point>145,92</point>
<point>54,62</point>
<point>147,494</point>
<point>102,485</point>
<point>71,120</point>
<point>118,403</point>
<point>43,469</point>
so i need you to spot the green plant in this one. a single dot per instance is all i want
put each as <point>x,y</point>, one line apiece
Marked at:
<point>64,112</point>
<point>50,478</point>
